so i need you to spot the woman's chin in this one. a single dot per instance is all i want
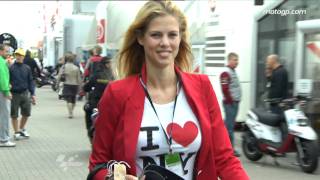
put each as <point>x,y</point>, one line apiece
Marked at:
<point>165,63</point>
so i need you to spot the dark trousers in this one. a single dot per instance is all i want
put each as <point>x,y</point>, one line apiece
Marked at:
<point>88,108</point>
<point>274,108</point>
<point>88,112</point>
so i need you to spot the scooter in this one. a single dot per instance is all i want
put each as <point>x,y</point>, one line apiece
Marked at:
<point>276,135</point>
<point>47,78</point>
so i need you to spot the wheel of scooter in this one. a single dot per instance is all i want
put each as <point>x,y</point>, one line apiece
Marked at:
<point>54,86</point>
<point>308,160</point>
<point>250,147</point>
<point>53,83</point>
<point>39,85</point>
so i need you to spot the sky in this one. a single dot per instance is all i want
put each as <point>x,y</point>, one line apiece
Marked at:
<point>22,19</point>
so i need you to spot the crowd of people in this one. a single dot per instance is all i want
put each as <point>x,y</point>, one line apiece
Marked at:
<point>17,88</point>
<point>17,94</point>
<point>97,75</point>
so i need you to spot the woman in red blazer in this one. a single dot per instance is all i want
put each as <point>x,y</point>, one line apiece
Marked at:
<point>158,113</point>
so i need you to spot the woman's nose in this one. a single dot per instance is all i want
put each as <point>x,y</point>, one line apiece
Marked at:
<point>164,41</point>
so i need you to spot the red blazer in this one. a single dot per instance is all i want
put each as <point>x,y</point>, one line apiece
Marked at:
<point>120,114</point>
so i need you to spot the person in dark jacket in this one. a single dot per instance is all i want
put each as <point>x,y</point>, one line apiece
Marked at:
<point>278,82</point>
<point>95,86</point>
<point>28,60</point>
<point>22,86</point>
<point>97,50</point>
<point>278,89</point>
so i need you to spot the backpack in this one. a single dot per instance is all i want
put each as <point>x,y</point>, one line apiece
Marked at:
<point>94,69</point>
<point>99,71</point>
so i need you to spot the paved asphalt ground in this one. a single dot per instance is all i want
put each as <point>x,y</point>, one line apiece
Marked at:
<point>59,148</point>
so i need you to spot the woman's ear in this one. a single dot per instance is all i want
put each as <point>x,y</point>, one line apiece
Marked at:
<point>140,40</point>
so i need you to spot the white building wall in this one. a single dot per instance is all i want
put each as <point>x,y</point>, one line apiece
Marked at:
<point>81,31</point>
<point>237,20</point>
<point>119,15</point>
<point>50,34</point>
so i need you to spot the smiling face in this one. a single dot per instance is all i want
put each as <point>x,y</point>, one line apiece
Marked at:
<point>161,41</point>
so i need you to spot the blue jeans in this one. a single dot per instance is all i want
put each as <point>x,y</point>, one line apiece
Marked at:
<point>231,111</point>
<point>4,118</point>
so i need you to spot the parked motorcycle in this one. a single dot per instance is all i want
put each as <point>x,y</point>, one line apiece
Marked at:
<point>264,134</point>
<point>47,77</point>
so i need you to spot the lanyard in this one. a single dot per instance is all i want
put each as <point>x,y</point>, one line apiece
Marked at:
<point>168,139</point>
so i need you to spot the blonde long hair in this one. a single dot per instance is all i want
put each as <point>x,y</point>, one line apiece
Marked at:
<point>132,56</point>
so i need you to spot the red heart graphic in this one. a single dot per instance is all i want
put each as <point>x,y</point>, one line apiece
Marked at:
<point>185,135</point>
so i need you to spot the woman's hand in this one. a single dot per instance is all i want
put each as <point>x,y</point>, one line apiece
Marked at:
<point>130,177</point>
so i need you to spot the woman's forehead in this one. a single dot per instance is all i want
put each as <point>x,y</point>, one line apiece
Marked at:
<point>166,22</point>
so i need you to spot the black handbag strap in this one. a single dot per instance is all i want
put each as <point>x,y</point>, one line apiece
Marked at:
<point>95,170</point>
<point>63,68</point>
<point>156,172</point>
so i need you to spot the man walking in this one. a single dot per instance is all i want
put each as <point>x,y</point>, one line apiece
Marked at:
<point>231,95</point>
<point>5,97</point>
<point>21,85</point>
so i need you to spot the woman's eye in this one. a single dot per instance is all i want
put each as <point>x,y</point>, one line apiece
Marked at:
<point>173,35</point>
<point>156,35</point>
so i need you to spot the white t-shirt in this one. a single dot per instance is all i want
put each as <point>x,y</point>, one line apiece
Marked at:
<point>186,136</point>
